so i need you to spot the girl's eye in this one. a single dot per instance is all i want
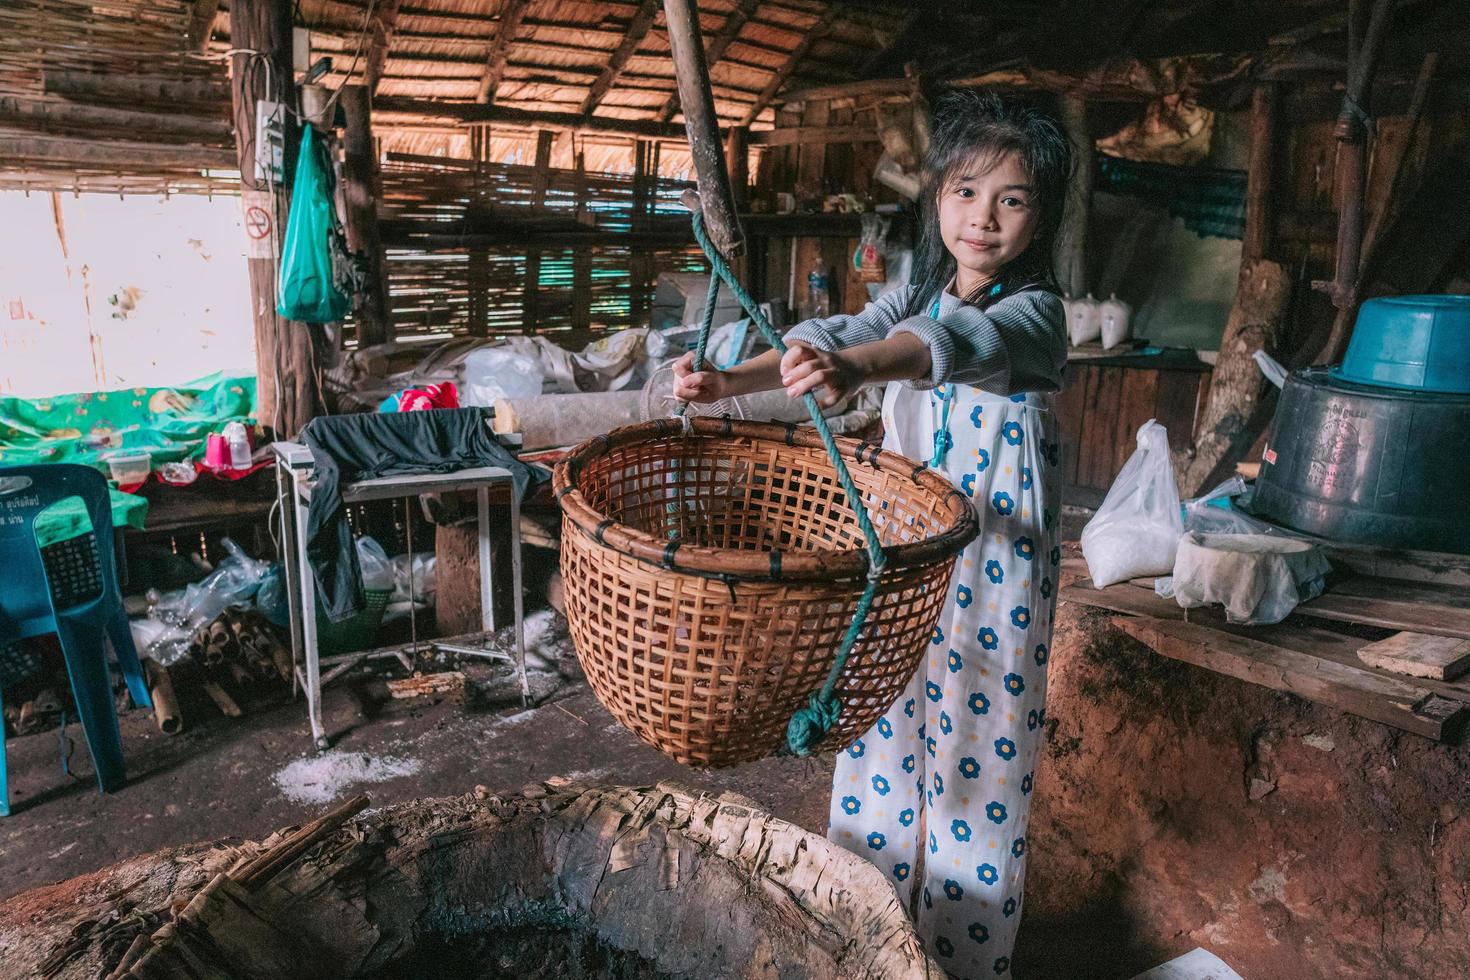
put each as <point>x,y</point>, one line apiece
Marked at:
<point>964,192</point>
<point>1013,202</point>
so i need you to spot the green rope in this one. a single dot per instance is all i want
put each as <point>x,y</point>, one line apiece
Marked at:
<point>809,725</point>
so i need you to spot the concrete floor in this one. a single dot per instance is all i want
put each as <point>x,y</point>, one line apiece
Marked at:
<point>218,778</point>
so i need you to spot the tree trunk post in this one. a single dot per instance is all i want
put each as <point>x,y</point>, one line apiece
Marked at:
<point>362,186</point>
<point>287,392</point>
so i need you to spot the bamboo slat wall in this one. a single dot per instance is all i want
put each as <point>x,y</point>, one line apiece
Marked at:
<point>479,287</point>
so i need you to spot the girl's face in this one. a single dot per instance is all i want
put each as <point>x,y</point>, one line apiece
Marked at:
<point>986,219</point>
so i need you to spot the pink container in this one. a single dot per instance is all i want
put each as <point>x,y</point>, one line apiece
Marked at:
<point>216,452</point>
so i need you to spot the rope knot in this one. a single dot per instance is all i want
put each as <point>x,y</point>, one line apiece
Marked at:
<point>810,725</point>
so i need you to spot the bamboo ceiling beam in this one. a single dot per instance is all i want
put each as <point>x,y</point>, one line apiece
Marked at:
<point>201,24</point>
<point>505,34</point>
<point>384,22</point>
<point>729,31</point>
<point>814,34</point>
<point>638,29</point>
<point>470,114</point>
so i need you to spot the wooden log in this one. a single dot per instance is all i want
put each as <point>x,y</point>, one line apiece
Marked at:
<point>287,393</point>
<point>467,113</point>
<point>201,24</point>
<point>737,162</point>
<point>734,21</point>
<point>1442,658</point>
<point>261,867</point>
<point>1071,247</point>
<point>1240,399</point>
<point>73,118</point>
<point>506,29</point>
<point>380,31</point>
<point>362,188</point>
<point>18,147</point>
<point>1256,239</point>
<point>1352,155</point>
<point>702,127</point>
<point>137,91</point>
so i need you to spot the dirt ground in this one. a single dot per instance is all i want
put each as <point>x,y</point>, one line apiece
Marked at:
<point>1174,808</point>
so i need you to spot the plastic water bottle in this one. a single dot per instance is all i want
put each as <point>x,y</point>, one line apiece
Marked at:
<point>239,444</point>
<point>818,301</point>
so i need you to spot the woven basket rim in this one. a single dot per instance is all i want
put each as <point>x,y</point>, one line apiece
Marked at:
<point>745,565</point>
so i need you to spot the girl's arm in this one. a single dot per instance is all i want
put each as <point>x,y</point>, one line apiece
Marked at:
<point>1018,344</point>
<point>830,375</point>
<point>842,332</point>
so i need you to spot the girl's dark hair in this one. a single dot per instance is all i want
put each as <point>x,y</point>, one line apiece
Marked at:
<point>985,125</point>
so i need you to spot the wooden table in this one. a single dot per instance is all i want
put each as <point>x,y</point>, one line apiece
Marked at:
<point>1313,654</point>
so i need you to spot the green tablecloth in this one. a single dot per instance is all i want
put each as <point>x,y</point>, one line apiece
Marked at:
<point>171,423</point>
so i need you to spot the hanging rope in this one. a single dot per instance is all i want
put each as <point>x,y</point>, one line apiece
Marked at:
<point>809,725</point>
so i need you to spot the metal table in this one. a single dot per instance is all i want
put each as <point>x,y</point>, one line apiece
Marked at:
<point>294,485</point>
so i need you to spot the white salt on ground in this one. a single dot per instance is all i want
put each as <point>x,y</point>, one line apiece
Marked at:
<point>322,778</point>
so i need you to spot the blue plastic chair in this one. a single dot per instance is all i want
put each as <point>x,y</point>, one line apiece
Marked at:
<point>78,599</point>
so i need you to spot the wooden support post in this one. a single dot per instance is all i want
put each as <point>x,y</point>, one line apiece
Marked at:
<point>531,290</point>
<point>581,260</point>
<point>1352,153</point>
<point>702,126</point>
<point>362,188</point>
<point>641,266</point>
<point>737,162</point>
<point>1256,240</point>
<point>1071,248</point>
<point>285,352</point>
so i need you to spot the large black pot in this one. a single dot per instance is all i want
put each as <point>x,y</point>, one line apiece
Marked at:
<point>1368,465</point>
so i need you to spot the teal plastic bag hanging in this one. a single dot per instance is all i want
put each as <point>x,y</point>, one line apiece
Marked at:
<point>310,290</point>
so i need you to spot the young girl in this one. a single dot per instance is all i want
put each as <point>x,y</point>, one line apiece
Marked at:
<point>975,342</point>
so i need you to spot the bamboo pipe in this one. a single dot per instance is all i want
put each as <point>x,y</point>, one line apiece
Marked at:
<point>165,702</point>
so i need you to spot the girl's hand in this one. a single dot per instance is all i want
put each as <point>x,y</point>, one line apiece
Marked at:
<point>806,369</point>
<point>706,385</point>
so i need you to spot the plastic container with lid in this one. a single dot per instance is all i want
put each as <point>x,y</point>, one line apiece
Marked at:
<point>1420,343</point>
<point>130,466</point>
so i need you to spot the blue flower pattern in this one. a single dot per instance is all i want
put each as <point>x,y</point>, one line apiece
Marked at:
<point>992,641</point>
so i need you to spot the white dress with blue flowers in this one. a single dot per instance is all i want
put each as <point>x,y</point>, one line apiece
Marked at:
<point>956,754</point>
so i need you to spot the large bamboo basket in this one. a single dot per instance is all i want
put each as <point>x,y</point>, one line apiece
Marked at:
<point>710,577</point>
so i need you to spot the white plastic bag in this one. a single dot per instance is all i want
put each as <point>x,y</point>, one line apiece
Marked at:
<point>234,581</point>
<point>1136,530</point>
<point>377,567</point>
<point>499,372</point>
<point>1084,320</point>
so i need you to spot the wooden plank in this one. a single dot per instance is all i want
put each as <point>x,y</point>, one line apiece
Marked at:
<point>1413,606</point>
<point>1070,407</point>
<point>814,134</point>
<point>1095,462</point>
<point>1438,657</point>
<point>362,189</point>
<point>1392,701</point>
<point>201,24</point>
<point>1175,405</point>
<point>1136,402</point>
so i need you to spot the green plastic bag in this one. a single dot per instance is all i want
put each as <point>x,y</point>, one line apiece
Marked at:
<point>313,286</point>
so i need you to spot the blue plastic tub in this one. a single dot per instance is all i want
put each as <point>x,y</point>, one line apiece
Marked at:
<point>1418,343</point>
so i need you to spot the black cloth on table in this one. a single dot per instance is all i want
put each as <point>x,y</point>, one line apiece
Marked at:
<point>348,448</point>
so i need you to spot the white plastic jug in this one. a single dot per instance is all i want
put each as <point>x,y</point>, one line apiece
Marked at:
<point>1084,324</point>
<point>1115,316</point>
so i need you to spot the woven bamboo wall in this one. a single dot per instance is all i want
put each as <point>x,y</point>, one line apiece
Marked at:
<point>466,238</point>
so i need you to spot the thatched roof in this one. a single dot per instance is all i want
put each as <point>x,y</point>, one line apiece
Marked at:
<point>133,94</point>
